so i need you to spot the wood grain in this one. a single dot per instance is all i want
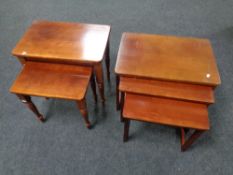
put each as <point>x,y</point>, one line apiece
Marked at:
<point>174,90</point>
<point>169,58</point>
<point>52,80</point>
<point>166,111</point>
<point>74,42</point>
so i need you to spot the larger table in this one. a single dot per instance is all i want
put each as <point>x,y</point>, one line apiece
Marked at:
<point>167,70</point>
<point>67,43</point>
<point>167,58</point>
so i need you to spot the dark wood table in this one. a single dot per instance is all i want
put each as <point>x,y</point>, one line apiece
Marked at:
<point>67,43</point>
<point>165,67</point>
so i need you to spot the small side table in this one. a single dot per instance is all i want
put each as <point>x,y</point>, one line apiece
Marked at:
<point>166,80</point>
<point>166,58</point>
<point>67,43</point>
<point>54,81</point>
<point>185,115</point>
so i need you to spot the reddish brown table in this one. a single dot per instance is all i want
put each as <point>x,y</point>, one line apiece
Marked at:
<point>165,67</point>
<point>67,43</point>
<point>166,58</point>
<point>51,80</point>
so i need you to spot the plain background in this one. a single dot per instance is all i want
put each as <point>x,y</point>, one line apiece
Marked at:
<point>63,145</point>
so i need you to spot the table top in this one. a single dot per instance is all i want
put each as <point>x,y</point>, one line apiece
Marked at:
<point>52,80</point>
<point>167,58</point>
<point>168,89</point>
<point>166,111</point>
<point>64,41</point>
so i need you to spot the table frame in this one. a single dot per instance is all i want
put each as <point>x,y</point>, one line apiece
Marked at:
<point>96,66</point>
<point>73,37</point>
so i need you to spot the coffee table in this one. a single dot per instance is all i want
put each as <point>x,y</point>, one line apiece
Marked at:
<point>67,43</point>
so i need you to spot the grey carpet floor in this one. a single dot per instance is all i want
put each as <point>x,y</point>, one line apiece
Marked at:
<point>63,145</point>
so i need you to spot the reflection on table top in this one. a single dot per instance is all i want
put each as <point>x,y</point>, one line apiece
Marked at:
<point>64,41</point>
<point>167,58</point>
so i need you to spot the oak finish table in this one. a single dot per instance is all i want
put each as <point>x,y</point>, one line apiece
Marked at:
<point>68,43</point>
<point>165,67</point>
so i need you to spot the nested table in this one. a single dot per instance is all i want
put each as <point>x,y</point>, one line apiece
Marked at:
<point>51,80</point>
<point>166,58</point>
<point>67,43</point>
<point>165,67</point>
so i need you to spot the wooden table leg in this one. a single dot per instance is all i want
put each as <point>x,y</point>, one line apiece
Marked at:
<point>185,144</point>
<point>83,109</point>
<point>126,129</point>
<point>27,100</point>
<point>117,92</point>
<point>93,87</point>
<point>122,100</point>
<point>107,61</point>
<point>100,79</point>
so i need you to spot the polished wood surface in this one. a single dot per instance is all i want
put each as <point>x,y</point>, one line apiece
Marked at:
<point>181,91</point>
<point>167,58</point>
<point>64,41</point>
<point>166,111</point>
<point>52,80</point>
<point>67,43</point>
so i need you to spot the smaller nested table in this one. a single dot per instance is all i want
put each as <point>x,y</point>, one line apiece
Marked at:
<point>177,113</point>
<point>167,80</point>
<point>54,81</point>
<point>67,43</point>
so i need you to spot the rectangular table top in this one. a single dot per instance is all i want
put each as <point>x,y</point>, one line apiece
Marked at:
<point>52,80</point>
<point>166,111</point>
<point>64,41</point>
<point>173,90</point>
<point>167,58</point>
